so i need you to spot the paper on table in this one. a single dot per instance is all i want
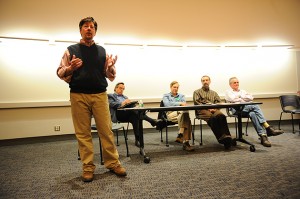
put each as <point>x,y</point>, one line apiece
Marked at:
<point>129,105</point>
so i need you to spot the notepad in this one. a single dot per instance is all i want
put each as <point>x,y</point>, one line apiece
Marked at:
<point>129,105</point>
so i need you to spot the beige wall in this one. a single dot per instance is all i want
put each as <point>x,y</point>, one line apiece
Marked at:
<point>33,122</point>
<point>215,21</point>
<point>298,69</point>
<point>218,22</point>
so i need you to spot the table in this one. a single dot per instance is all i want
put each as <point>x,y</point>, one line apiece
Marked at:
<point>238,106</point>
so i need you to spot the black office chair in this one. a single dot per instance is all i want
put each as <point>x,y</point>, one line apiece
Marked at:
<point>230,114</point>
<point>163,116</point>
<point>197,117</point>
<point>115,128</point>
<point>290,104</point>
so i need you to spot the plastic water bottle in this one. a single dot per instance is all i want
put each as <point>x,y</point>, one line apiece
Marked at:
<point>141,104</point>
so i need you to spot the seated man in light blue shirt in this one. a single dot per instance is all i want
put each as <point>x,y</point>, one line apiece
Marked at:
<point>259,122</point>
<point>181,117</point>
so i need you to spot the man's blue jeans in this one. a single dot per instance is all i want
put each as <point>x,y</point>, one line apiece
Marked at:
<point>256,115</point>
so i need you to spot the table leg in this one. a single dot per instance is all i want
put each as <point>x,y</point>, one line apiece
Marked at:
<point>240,131</point>
<point>141,137</point>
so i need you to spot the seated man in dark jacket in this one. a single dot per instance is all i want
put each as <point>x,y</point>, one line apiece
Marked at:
<point>116,100</point>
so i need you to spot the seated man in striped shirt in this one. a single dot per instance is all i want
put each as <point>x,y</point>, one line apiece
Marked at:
<point>215,119</point>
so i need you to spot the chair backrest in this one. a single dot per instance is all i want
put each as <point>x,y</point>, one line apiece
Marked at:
<point>197,115</point>
<point>162,114</point>
<point>229,111</point>
<point>289,102</point>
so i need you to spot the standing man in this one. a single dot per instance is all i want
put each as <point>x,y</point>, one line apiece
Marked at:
<point>215,119</point>
<point>85,66</point>
<point>174,98</point>
<point>259,122</point>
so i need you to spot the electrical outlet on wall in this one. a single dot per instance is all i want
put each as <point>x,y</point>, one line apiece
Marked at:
<point>57,128</point>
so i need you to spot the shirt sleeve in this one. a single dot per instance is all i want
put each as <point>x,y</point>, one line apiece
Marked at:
<point>183,98</point>
<point>62,71</point>
<point>113,102</point>
<point>246,96</point>
<point>231,96</point>
<point>240,96</point>
<point>197,98</point>
<point>217,98</point>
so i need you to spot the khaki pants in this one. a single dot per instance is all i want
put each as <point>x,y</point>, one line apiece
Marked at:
<point>83,106</point>
<point>184,121</point>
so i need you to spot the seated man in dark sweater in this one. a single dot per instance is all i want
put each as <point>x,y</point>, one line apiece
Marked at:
<point>116,100</point>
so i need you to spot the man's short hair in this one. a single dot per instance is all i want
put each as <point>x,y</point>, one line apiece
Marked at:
<point>205,76</point>
<point>116,86</point>
<point>173,82</point>
<point>231,78</point>
<point>88,19</point>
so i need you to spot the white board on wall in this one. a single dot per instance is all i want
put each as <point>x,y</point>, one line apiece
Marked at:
<point>28,70</point>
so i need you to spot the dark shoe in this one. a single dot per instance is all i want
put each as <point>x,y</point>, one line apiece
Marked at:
<point>179,138</point>
<point>226,140</point>
<point>233,142</point>
<point>87,176</point>
<point>187,147</point>
<point>160,124</point>
<point>264,141</point>
<point>119,171</point>
<point>273,132</point>
<point>156,122</point>
<point>137,143</point>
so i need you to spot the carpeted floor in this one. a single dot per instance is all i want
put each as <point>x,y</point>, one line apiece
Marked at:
<point>48,168</point>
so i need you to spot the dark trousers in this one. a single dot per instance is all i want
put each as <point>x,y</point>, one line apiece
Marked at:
<point>132,117</point>
<point>216,121</point>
